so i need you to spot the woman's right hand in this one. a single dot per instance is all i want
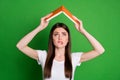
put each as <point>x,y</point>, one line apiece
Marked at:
<point>22,45</point>
<point>44,22</point>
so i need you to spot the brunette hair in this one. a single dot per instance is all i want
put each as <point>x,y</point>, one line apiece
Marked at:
<point>51,53</point>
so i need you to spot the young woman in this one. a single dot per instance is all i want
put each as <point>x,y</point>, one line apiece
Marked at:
<point>58,63</point>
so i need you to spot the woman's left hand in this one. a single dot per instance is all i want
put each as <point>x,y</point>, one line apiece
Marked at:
<point>79,25</point>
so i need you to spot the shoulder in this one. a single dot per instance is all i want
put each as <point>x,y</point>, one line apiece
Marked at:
<point>76,56</point>
<point>41,51</point>
<point>42,54</point>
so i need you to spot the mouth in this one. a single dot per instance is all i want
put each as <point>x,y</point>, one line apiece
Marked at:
<point>60,42</point>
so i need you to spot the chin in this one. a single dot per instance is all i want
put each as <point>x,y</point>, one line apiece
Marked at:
<point>60,46</point>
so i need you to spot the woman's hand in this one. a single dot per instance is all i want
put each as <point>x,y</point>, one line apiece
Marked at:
<point>79,25</point>
<point>44,23</point>
<point>97,47</point>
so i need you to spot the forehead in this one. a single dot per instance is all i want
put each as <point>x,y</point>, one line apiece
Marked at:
<point>60,30</point>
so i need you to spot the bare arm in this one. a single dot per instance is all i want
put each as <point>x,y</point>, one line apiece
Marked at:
<point>22,45</point>
<point>97,47</point>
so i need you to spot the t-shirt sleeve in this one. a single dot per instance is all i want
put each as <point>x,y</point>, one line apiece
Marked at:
<point>41,56</point>
<point>76,58</point>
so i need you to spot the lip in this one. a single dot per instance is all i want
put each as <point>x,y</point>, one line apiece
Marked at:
<point>60,42</point>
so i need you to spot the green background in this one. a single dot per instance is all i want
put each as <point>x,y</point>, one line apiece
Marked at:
<point>100,18</point>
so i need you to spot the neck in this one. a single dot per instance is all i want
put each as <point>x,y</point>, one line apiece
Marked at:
<point>59,51</point>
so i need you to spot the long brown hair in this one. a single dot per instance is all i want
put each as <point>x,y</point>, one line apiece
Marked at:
<point>51,53</point>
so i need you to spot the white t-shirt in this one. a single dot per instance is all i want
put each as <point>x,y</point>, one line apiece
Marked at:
<point>57,72</point>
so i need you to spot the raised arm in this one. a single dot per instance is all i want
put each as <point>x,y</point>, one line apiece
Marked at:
<point>97,47</point>
<point>22,45</point>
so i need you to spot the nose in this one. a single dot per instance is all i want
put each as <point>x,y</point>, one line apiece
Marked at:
<point>59,37</point>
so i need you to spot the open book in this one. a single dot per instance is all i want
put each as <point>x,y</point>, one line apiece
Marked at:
<point>60,10</point>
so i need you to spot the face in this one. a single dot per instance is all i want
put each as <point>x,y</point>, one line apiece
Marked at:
<point>60,38</point>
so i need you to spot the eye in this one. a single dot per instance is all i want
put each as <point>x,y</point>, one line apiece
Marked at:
<point>55,34</point>
<point>64,33</point>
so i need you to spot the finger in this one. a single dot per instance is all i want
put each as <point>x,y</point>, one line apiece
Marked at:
<point>48,15</point>
<point>76,18</point>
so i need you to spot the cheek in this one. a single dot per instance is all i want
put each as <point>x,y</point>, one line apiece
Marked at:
<point>54,41</point>
<point>66,40</point>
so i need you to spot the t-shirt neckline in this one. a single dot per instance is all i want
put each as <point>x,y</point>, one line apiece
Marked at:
<point>58,61</point>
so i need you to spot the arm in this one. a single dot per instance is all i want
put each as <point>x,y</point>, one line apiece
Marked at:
<point>97,47</point>
<point>22,45</point>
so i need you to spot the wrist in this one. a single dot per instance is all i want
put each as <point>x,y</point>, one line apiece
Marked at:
<point>40,27</point>
<point>82,31</point>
